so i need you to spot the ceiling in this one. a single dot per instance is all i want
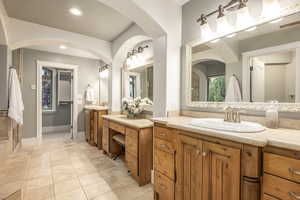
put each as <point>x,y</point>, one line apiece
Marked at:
<point>97,20</point>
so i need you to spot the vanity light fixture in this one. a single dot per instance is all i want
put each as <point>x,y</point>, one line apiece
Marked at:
<point>63,47</point>
<point>75,11</point>
<point>271,9</point>
<point>134,57</point>
<point>251,29</point>
<point>103,70</point>
<point>206,32</point>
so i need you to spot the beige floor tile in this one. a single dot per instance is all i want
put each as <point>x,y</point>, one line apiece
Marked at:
<point>9,188</point>
<point>38,172</point>
<point>61,176</point>
<point>66,186</point>
<point>38,182</point>
<point>107,196</point>
<point>91,179</point>
<point>95,190</point>
<point>73,195</point>
<point>129,192</point>
<point>40,193</point>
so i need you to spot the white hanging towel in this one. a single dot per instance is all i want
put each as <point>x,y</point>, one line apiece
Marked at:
<point>16,106</point>
<point>90,95</point>
<point>233,92</point>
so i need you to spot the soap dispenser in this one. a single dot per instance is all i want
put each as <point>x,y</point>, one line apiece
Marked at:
<point>272,120</point>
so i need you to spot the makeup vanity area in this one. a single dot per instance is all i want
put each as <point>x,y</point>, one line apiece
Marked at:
<point>253,75</point>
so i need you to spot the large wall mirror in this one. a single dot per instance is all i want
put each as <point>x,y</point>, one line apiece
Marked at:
<point>137,74</point>
<point>253,67</point>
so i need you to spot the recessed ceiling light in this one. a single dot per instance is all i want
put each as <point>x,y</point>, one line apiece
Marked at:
<point>75,11</point>
<point>251,29</point>
<point>276,21</point>
<point>231,35</point>
<point>215,41</point>
<point>62,47</point>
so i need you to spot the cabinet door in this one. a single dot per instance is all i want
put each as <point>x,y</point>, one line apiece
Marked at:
<point>221,172</point>
<point>190,165</point>
<point>105,139</point>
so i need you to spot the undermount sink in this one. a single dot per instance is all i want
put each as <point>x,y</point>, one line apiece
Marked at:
<point>221,125</point>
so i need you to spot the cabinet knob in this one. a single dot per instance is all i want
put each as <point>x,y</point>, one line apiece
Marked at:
<point>204,154</point>
<point>293,171</point>
<point>197,151</point>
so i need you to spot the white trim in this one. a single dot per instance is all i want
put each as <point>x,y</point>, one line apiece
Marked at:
<point>61,128</point>
<point>41,64</point>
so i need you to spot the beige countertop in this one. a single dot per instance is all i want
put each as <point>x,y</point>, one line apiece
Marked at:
<point>283,138</point>
<point>95,107</point>
<point>136,123</point>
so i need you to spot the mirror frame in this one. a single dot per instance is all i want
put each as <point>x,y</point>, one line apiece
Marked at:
<point>252,106</point>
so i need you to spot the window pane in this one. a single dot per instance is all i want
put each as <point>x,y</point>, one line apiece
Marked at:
<point>47,89</point>
<point>216,88</point>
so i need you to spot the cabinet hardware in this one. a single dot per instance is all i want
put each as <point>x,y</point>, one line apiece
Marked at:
<point>162,134</point>
<point>293,195</point>
<point>293,171</point>
<point>204,154</point>
<point>163,146</point>
<point>197,151</point>
<point>162,186</point>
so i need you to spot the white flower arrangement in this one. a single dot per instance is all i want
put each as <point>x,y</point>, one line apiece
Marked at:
<point>134,107</point>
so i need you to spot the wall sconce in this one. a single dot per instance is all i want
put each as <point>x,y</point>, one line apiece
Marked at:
<point>135,57</point>
<point>271,9</point>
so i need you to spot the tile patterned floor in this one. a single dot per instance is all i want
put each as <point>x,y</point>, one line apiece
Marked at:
<point>59,169</point>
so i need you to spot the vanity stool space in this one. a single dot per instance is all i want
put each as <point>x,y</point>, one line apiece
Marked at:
<point>138,144</point>
<point>189,166</point>
<point>281,178</point>
<point>94,124</point>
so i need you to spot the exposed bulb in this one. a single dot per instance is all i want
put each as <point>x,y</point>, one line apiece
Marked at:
<point>206,32</point>
<point>223,26</point>
<point>243,18</point>
<point>271,9</point>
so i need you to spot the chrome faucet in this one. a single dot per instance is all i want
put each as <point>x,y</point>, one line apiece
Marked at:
<point>232,115</point>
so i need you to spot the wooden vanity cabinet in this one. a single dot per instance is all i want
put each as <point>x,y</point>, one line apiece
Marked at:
<point>205,168</point>
<point>281,179</point>
<point>94,126</point>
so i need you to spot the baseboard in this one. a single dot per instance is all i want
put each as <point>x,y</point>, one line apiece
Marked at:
<point>48,129</point>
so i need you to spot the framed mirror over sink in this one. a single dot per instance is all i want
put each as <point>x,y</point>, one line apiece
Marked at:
<point>250,69</point>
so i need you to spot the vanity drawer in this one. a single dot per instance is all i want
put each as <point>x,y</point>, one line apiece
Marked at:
<point>132,133</point>
<point>164,162</point>
<point>163,133</point>
<point>131,144</point>
<point>280,188</point>
<point>132,164</point>
<point>164,145</point>
<point>117,127</point>
<point>163,187</point>
<point>282,166</point>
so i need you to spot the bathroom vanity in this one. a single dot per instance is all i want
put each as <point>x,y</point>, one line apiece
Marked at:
<point>196,163</point>
<point>138,147</point>
<point>94,124</point>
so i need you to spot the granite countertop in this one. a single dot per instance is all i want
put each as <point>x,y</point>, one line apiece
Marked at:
<point>282,138</point>
<point>136,123</point>
<point>95,107</point>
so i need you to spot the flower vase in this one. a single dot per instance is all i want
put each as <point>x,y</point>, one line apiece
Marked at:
<point>131,116</point>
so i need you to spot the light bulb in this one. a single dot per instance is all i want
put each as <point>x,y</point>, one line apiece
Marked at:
<point>104,74</point>
<point>222,26</point>
<point>206,32</point>
<point>129,61</point>
<point>271,9</point>
<point>243,18</point>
